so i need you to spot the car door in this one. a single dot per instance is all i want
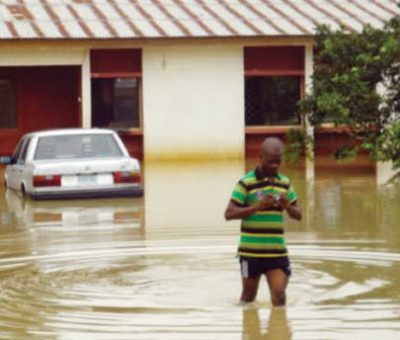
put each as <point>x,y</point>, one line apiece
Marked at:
<point>10,171</point>
<point>17,169</point>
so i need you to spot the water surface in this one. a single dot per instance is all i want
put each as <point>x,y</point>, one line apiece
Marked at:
<point>164,266</point>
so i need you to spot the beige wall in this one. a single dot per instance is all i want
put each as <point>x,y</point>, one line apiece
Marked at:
<point>193,102</point>
<point>34,56</point>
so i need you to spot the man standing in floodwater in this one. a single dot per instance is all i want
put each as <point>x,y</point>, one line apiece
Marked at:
<point>259,200</point>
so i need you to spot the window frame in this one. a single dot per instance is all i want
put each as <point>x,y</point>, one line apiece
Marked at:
<point>125,75</point>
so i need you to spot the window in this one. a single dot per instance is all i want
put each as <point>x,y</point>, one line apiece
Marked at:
<point>116,80</point>
<point>272,100</point>
<point>8,114</point>
<point>17,151</point>
<point>274,77</point>
<point>22,150</point>
<point>77,146</point>
<point>115,103</point>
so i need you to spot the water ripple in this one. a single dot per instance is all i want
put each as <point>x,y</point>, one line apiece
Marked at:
<point>156,289</point>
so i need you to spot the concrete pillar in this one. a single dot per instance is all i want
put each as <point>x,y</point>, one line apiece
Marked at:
<point>86,92</point>
<point>309,209</point>
<point>309,70</point>
<point>384,172</point>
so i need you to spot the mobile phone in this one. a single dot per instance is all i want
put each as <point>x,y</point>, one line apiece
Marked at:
<point>260,194</point>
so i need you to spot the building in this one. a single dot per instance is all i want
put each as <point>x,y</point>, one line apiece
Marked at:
<point>179,79</point>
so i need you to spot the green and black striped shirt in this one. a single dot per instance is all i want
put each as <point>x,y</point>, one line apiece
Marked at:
<point>262,234</point>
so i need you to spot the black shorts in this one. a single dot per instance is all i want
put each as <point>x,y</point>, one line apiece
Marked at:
<point>250,267</point>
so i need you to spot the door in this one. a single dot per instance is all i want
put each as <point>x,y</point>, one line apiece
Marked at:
<point>15,171</point>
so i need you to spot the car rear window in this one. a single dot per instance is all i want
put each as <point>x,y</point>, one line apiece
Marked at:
<point>77,146</point>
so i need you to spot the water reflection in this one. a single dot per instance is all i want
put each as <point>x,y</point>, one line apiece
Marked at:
<point>71,213</point>
<point>188,195</point>
<point>345,202</point>
<point>164,267</point>
<point>277,327</point>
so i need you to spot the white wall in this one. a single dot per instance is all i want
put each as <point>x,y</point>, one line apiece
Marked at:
<point>193,102</point>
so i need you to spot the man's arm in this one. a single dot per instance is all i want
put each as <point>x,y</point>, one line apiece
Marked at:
<point>293,210</point>
<point>234,211</point>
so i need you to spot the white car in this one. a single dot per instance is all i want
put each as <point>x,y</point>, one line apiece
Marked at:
<point>72,163</point>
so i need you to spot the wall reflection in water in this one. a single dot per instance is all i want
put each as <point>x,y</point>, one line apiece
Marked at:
<point>194,195</point>
<point>346,202</point>
<point>189,195</point>
<point>353,203</point>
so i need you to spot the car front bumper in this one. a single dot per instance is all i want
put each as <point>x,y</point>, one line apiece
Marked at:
<point>87,193</point>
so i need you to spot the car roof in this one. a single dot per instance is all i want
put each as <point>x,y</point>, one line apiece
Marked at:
<point>69,131</point>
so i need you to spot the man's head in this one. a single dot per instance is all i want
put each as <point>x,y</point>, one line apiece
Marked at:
<point>271,156</point>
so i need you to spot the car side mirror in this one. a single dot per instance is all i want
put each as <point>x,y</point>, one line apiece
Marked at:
<point>7,160</point>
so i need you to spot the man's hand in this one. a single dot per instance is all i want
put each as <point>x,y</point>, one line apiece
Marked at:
<point>292,209</point>
<point>283,201</point>
<point>266,201</point>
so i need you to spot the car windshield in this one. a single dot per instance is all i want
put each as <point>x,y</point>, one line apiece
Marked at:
<point>77,146</point>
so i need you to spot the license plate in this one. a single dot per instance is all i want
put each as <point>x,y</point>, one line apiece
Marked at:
<point>87,179</point>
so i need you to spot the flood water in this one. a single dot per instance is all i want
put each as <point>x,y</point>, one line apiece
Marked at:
<point>164,266</point>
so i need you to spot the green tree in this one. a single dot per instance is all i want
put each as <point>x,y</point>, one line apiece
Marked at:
<point>356,83</point>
